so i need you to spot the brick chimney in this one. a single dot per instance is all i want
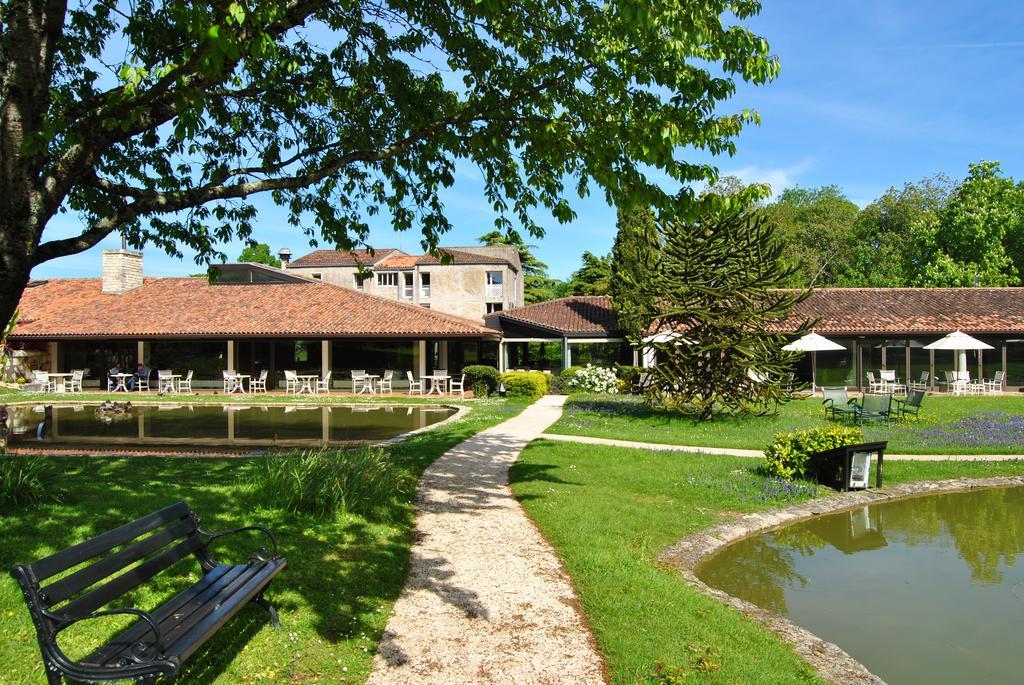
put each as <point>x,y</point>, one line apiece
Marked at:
<point>122,271</point>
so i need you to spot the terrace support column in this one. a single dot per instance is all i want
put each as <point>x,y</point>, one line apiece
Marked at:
<point>566,354</point>
<point>231,356</point>
<point>325,357</point>
<point>421,358</point>
<point>501,356</point>
<point>931,369</point>
<point>53,349</point>
<point>1004,360</point>
<point>141,348</point>
<point>442,353</point>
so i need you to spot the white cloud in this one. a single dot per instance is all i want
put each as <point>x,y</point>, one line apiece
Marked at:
<point>778,178</point>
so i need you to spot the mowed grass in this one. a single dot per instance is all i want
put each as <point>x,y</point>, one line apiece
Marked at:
<point>609,513</point>
<point>334,598</point>
<point>948,425</point>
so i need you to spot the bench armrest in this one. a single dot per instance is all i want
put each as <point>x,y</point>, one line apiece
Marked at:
<point>153,626</point>
<point>260,554</point>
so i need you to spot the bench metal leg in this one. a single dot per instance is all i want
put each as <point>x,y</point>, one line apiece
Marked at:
<point>260,600</point>
<point>53,676</point>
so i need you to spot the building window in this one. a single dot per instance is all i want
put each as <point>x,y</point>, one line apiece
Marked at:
<point>316,276</point>
<point>425,286</point>
<point>493,291</point>
<point>387,278</point>
<point>407,285</point>
<point>359,280</point>
<point>494,307</point>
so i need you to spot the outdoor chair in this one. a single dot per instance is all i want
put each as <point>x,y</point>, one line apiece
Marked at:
<point>457,386</point>
<point>961,382</point>
<point>43,378</point>
<point>358,380</point>
<point>164,382</point>
<point>873,384</point>
<point>995,386</point>
<point>324,384</point>
<point>291,381</point>
<point>921,384</point>
<point>415,386</point>
<point>142,383</point>
<point>384,384</point>
<point>185,384</point>
<point>910,406</point>
<point>231,381</point>
<point>891,383</point>
<point>874,407</point>
<point>838,403</point>
<point>74,384</point>
<point>259,384</point>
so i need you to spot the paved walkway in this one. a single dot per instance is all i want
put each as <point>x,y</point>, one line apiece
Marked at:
<point>758,453</point>
<point>486,600</point>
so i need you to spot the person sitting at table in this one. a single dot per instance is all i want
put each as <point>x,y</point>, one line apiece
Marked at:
<point>140,372</point>
<point>111,381</point>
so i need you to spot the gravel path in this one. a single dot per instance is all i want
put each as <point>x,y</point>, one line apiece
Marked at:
<point>486,600</point>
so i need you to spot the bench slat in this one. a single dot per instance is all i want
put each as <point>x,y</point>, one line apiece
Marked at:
<point>140,629</point>
<point>74,583</point>
<point>131,579</point>
<point>73,556</point>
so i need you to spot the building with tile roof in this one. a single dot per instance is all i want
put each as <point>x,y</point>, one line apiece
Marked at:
<point>470,282</point>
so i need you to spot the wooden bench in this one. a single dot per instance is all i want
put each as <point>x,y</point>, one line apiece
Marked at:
<point>106,568</point>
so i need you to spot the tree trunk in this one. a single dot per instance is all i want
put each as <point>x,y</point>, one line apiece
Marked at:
<point>15,265</point>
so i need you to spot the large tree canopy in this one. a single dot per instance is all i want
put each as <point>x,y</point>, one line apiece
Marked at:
<point>160,120</point>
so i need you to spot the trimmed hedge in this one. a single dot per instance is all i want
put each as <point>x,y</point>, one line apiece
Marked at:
<point>570,371</point>
<point>483,380</point>
<point>530,384</point>
<point>787,456</point>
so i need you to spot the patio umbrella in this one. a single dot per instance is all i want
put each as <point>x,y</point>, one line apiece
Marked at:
<point>813,343</point>
<point>959,343</point>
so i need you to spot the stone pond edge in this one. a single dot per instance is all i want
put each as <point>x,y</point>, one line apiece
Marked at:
<point>829,660</point>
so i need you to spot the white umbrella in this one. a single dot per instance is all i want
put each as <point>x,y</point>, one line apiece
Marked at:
<point>959,343</point>
<point>813,343</point>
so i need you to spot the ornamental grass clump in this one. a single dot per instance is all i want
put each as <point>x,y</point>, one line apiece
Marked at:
<point>788,455</point>
<point>26,480</point>
<point>328,482</point>
<point>594,379</point>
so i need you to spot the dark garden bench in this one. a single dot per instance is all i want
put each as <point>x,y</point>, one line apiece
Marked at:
<point>159,642</point>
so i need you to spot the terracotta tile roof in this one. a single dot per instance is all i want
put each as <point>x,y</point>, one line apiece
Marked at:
<point>932,311</point>
<point>398,262</point>
<point>580,316</point>
<point>340,258</point>
<point>192,308</point>
<point>462,257</point>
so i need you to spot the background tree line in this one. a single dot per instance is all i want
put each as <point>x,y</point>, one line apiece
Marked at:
<point>935,232</point>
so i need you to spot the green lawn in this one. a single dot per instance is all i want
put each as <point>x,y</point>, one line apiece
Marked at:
<point>335,597</point>
<point>948,425</point>
<point>609,512</point>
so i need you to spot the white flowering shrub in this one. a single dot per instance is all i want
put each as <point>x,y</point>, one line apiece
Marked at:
<point>594,379</point>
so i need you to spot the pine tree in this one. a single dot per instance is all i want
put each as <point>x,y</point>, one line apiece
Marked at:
<point>717,284</point>
<point>634,255</point>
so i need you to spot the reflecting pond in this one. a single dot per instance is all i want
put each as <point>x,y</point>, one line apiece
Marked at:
<point>922,590</point>
<point>205,426</point>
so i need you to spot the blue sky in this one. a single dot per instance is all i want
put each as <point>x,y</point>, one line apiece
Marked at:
<point>872,94</point>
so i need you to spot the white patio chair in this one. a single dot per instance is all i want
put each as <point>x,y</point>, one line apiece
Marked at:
<point>324,384</point>
<point>231,380</point>
<point>164,382</point>
<point>995,386</point>
<point>359,381</point>
<point>185,384</point>
<point>43,378</point>
<point>291,381</point>
<point>891,382</point>
<point>259,384</point>
<point>74,384</point>
<point>415,386</point>
<point>961,381</point>
<point>457,386</point>
<point>873,384</point>
<point>142,383</point>
<point>384,384</point>
<point>921,384</point>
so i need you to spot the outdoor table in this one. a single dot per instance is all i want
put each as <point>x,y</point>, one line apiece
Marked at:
<point>122,381</point>
<point>59,379</point>
<point>169,383</point>
<point>437,382</point>
<point>306,383</point>
<point>368,379</point>
<point>239,385</point>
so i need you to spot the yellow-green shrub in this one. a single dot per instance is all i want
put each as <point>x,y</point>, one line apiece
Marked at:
<point>530,384</point>
<point>787,456</point>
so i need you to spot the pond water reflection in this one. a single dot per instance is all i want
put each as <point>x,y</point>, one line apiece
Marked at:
<point>215,426</point>
<point>922,590</point>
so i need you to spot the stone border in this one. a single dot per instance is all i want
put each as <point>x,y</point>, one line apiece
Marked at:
<point>829,660</point>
